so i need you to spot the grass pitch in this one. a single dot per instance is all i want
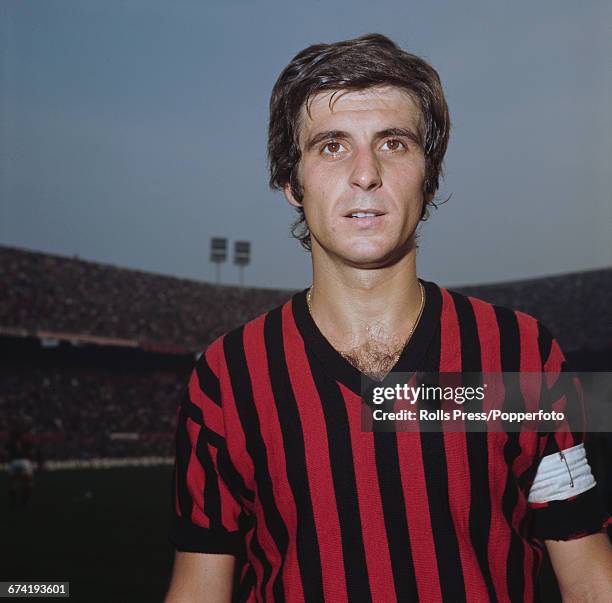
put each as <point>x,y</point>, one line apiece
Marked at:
<point>105,531</point>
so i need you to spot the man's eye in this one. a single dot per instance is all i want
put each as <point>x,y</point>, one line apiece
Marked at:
<point>394,145</point>
<point>332,148</point>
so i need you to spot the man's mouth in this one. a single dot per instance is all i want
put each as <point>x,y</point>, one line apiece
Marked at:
<point>364,213</point>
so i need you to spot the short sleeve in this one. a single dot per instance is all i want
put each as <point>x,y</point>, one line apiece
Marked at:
<point>208,515</point>
<point>565,500</point>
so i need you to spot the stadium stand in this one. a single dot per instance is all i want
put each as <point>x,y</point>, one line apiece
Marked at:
<point>43,292</point>
<point>95,357</point>
<point>82,413</point>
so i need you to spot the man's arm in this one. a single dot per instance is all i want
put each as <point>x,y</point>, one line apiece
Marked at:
<point>201,578</point>
<point>583,567</point>
<point>209,521</point>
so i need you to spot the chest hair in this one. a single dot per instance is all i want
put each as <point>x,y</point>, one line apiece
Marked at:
<point>374,358</point>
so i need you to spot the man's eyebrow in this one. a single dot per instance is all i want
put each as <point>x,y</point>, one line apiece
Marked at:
<point>321,136</point>
<point>400,132</point>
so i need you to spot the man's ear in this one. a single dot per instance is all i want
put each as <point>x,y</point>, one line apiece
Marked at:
<point>289,195</point>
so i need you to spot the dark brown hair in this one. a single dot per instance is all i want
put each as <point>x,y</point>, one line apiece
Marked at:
<point>364,62</point>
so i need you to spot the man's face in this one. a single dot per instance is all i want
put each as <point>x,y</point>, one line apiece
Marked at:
<point>362,172</point>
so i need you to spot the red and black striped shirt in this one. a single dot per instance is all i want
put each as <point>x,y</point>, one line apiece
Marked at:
<point>272,466</point>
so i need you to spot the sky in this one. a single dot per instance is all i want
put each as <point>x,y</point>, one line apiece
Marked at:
<point>131,132</point>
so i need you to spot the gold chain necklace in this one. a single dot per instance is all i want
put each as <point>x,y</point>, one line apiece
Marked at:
<point>416,322</point>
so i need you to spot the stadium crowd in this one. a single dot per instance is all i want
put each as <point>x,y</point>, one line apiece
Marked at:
<point>81,414</point>
<point>46,292</point>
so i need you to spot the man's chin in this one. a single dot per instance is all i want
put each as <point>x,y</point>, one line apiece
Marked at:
<point>365,254</point>
<point>370,259</point>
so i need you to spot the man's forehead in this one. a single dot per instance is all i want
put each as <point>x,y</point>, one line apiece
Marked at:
<point>331,105</point>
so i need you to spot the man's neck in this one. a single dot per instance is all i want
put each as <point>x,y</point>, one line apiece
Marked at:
<point>366,314</point>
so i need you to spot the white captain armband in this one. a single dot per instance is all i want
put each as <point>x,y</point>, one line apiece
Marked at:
<point>562,475</point>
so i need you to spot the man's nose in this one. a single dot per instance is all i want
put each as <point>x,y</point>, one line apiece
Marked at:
<point>366,170</point>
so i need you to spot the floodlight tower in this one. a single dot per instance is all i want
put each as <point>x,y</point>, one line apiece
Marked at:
<point>218,254</point>
<point>242,257</point>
